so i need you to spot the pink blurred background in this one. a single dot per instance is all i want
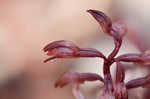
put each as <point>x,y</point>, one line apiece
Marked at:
<point>26,26</point>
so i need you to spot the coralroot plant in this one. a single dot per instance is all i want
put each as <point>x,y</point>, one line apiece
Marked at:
<point>113,89</point>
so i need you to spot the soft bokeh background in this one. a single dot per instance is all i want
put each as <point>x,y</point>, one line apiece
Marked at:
<point>26,26</point>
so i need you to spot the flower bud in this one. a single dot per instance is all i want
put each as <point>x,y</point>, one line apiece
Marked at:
<point>77,78</point>
<point>102,19</point>
<point>66,49</point>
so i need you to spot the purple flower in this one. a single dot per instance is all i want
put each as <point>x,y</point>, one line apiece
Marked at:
<point>113,89</point>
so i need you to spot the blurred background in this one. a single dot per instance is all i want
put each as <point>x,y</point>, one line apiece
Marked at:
<point>26,26</point>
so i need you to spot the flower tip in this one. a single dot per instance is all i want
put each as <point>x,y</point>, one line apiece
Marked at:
<point>46,47</point>
<point>56,85</point>
<point>89,10</point>
<point>60,83</point>
<point>94,13</point>
<point>45,61</point>
<point>49,59</point>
